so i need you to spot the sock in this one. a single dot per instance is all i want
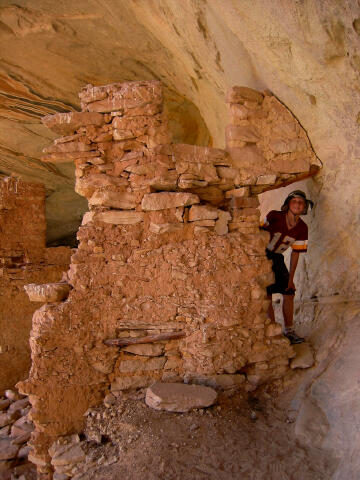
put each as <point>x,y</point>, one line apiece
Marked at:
<point>289,330</point>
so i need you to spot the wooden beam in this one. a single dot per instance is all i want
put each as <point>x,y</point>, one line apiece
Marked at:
<point>122,342</point>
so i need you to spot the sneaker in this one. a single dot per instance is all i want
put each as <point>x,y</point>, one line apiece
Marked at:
<point>294,338</point>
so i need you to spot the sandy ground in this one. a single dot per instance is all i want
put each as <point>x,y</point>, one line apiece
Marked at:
<point>245,436</point>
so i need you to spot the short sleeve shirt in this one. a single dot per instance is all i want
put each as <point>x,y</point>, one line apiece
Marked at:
<point>281,237</point>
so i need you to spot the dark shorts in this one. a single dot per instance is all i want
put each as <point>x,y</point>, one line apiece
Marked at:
<point>281,275</point>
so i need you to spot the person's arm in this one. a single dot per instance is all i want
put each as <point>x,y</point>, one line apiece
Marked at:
<point>293,264</point>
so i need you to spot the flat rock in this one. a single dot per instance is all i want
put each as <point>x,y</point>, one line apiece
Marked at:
<point>19,405</point>
<point>120,217</point>
<point>145,349</point>
<point>178,397</point>
<point>67,123</point>
<point>7,449</point>
<point>304,356</point>
<point>5,419</point>
<point>164,200</point>
<point>108,198</point>
<point>202,212</point>
<point>127,383</point>
<point>129,366</point>
<point>74,454</point>
<point>48,292</point>
<point>4,404</point>
<point>222,381</point>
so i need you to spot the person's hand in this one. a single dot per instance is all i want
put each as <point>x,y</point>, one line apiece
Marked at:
<point>291,285</point>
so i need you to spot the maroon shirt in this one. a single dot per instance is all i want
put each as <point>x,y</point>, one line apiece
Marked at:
<point>281,237</point>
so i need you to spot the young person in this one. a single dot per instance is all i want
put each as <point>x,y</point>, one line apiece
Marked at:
<point>286,229</point>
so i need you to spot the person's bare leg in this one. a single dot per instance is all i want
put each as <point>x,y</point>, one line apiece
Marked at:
<point>270,311</point>
<point>288,310</point>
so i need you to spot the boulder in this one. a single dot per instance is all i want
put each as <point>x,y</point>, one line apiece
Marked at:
<point>178,397</point>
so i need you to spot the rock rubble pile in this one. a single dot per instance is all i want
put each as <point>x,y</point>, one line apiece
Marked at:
<point>15,431</point>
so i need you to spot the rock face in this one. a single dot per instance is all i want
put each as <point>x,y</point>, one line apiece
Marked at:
<point>23,259</point>
<point>328,400</point>
<point>177,397</point>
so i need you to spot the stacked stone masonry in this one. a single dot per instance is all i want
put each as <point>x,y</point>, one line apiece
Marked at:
<point>170,244</point>
<point>24,259</point>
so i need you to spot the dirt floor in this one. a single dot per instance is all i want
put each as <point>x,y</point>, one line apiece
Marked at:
<point>245,436</point>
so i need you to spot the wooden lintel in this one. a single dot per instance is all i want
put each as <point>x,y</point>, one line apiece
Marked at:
<point>122,342</point>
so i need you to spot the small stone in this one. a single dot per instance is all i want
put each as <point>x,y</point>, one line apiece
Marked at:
<point>24,451</point>
<point>221,225</point>
<point>5,431</point>
<point>304,356</point>
<point>159,228</point>
<point>119,217</point>
<point>126,383</point>
<point>178,397</point>
<point>4,404</point>
<point>238,192</point>
<point>156,363</point>
<point>164,200</point>
<point>202,212</point>
<point>273,330</point>
<point>147,350</point>
<point>109,400</point>
<point>7,449</point>
<point>60,476</point>
<point>266,179</point>
<point>74,454</point>
<point>48,292</point>
<point>19,405</point>
<point>244,133</point>
<point>107,198</point>
<point>13,395</point>
<point>5,419</point>
<point>221,381</point>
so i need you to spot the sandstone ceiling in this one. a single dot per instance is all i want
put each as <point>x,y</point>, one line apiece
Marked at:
<point>304,51</point>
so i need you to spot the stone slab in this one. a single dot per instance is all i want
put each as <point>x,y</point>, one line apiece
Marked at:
<point>108,198</point>
<point>7,449</point>
<point>120,217</point>
<point>163,200</point>
<point>48,292</point>
<point>178,397</point>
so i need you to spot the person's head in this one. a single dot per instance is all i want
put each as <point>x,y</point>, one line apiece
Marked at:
<point>297,203</point>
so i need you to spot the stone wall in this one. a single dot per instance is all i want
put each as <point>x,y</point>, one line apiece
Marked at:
<point>170,246</point>
<point>23,259</point>
<point>22,221</point>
